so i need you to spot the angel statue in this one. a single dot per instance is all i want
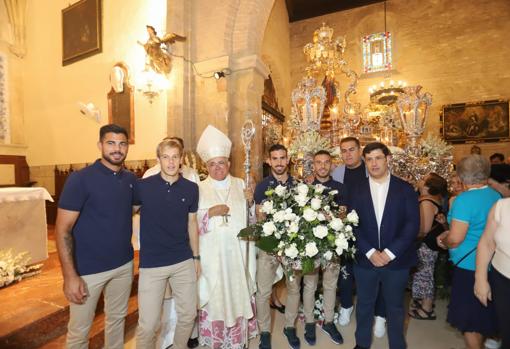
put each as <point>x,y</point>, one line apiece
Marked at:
<point>158,50</point>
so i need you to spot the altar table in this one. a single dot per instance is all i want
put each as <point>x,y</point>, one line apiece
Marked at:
<point>23,221</point>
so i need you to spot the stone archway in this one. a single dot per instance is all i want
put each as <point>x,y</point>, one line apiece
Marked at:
<point>247,84</point>
<point>225,35</point>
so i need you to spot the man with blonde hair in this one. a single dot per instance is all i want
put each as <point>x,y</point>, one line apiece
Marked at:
<point>169,247</point>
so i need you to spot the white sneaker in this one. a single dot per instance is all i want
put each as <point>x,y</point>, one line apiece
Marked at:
<point>379,327</point>
<point>345,316</point>
<point>492,344</point>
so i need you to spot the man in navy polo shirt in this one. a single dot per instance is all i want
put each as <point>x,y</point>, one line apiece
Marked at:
<point>93,234</point>
<point>168,247</point>
<point>267,264</point>
<point>322,167</point>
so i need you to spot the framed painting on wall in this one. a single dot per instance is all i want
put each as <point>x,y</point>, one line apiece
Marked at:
<point>81,31</point>
<point>480,121</point>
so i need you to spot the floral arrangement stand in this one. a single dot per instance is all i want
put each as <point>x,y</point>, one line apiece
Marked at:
<point>303,227</point>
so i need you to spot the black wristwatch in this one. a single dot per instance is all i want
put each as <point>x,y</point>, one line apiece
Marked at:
<point>197,258</point>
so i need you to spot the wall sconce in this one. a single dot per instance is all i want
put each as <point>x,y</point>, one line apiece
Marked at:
<point>151,84</point>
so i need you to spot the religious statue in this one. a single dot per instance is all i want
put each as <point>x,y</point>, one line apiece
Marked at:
<point>158,50</point>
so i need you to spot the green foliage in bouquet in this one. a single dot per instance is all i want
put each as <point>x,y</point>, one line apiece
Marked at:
<point>303,227</point>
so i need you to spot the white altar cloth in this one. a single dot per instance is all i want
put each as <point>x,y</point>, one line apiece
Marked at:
<point>23,221</point>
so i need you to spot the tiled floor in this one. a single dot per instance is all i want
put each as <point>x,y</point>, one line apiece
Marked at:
<point>435,334</point>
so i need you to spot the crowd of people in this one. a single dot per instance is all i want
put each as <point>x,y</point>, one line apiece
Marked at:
<point>221,287</point>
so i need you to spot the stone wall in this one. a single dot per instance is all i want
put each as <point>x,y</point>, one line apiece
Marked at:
<point>456,49</point>
<point>276,53</point>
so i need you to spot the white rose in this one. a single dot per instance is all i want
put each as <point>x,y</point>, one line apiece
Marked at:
<point>319,188</point>
<point>328,255</point>
<point>277,235</point>
<point>336,224</point>
<point>289,215</point>
<point>339,251</point>
<point>327,208</point>
<point>348,228</point>
<point>267,207</point>
<point>279,216</point>
<point>280,190</point>
<point>294,227</point>
<point>341,242</point>
<point>291,251</point>
<point>309,214</point>
<point>301,200</point>
<point>321,217</point>
<point>333,192</point>
<point>268,228</point>
<point>352,217</point>
<point>302,189</point>
<point>320,231</point>
<point>316,203</point>
<point>311,249</point>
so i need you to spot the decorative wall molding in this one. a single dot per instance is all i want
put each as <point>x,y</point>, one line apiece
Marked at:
<point>16,11</point>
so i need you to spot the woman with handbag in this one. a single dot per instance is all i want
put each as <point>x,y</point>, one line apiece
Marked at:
<point>467,218</point>
<point>432,223</point>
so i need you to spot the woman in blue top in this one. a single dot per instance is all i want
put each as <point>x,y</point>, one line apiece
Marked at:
<point>467,218</point>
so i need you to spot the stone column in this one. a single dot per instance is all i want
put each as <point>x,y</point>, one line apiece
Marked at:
<point>244,99</point>
<point>180,107</point>
<point>228,102</point>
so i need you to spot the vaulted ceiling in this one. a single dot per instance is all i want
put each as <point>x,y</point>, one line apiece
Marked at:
<point>303,9</point>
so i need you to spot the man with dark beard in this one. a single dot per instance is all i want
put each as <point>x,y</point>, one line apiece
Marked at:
<point>267,264</point>
<point>93,234</point>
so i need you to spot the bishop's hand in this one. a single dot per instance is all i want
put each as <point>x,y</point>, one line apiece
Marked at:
<point>218,210</point>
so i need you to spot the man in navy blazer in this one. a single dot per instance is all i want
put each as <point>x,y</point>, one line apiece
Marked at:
<point>389,221</point>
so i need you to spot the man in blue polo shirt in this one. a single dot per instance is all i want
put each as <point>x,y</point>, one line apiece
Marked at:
<point>267,264</point>
<point>168,247</point>
<point>93,234</point>
<point>322,168</point>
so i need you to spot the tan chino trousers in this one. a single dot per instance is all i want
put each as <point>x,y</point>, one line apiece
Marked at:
<point>151,290</point>
<point>329,283</point>
<point>266,273</point>
<point>116,284</point>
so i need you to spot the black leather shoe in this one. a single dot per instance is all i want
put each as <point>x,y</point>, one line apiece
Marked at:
<point>359,347</point>
<point>193,342</point>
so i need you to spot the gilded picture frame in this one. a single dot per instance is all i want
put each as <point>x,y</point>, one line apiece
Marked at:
<point>81,31</point>
<point>485,121</point>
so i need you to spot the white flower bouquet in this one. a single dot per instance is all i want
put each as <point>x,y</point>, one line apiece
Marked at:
<point>304,227</point>
<point>13,268</point>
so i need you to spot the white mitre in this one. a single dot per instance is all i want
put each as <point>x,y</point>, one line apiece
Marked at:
<point>213,143</point>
